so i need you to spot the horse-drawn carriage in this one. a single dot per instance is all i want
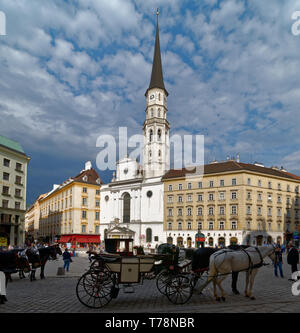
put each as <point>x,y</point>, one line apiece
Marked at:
<point>101,283</point>
<point>175,277</point>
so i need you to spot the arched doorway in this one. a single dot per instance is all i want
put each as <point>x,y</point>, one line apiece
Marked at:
<point>269,240</point>
<point>233,241</point>
<point>259,240</point>
<point>170,240</point>
<point>210,241</point>
<point>126,208</point>
<point>221,241</point>
<point>199,240</point>
<point>180,241</point>
<point>189,242</point>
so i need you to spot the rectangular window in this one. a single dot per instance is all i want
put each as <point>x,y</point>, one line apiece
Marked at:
<point>17,205</point>
<point>269,211</point>
<point>189,211</point>
<point>84,190</point>
<point>97,216</point>
<point>222,210</point>
<point>222,195</point>
<point>233,181</point>
<point>199,184</point>
<point>189,186</point>
<point>170,198</point>
<point>5,203</point>
<point>248,195</point>
<point>269,197</point>
<point>249,210</point>
<point>5,176</point>
<point>97,192</point>
<point>233,210</point>
<point>249,181</point>
<point>83,228</point>
<point>222,182</point>
<point>84,214</point>
<point>97,230</point>
<point>259,183</point>
<point>170,212</point>
<point>233,225</point>
<point>169,225</point>
<point>84,202</point>
<point>211,183</point>
<point>233,195</point>
<point>97,203</point>
<point>189,198</point>
<point>18,166</point>
<point>199,225</point>
<point>189,225</point>
<point>6,162</point>
<point>270,185</point>
<point>18,193</point>
<point>179,186</point>
<point>288,188</point>
<point>279,186</point>
<point>179,212</point>
<point>18,180</point>
<point>211,225</point>
<point>221,225</point>
<point>211,197</point>
<point>180,198</point>
<point>259,196</point>
<point>5,190</point>
<point>199,211</point>
<point>170,187</point>
<point>258,210</point>
<point>278,212</point>
<point>200,197</point>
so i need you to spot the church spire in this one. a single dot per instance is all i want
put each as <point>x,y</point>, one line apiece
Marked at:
<point>157,80</point>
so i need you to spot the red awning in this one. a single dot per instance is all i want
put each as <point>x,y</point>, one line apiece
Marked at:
<point>86,238</point>
<point>65,239</point>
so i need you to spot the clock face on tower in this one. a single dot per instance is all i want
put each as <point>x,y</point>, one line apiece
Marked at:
<point>151,96</point>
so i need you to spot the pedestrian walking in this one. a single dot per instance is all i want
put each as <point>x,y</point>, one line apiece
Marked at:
<point>292,257</point>
<point>67,259</point>
<point>278,261</point>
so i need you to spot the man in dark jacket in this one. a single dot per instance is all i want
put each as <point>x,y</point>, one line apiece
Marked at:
<point>293,257</point>
<point>67,259</point>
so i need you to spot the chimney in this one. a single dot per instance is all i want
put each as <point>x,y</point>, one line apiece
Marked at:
<point>88,165</point>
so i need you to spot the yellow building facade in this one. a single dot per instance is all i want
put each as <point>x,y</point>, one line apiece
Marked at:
<point>72,209</point>
<point>231,203</point>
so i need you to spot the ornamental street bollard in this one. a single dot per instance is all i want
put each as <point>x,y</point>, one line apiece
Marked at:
<point>60,271</point>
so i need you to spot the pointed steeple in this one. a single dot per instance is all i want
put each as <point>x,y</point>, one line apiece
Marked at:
<point>157,80</point>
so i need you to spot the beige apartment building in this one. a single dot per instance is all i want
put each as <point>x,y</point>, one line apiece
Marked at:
<point>13,182</point>
<point>232,203</point>
<point>71,211</point>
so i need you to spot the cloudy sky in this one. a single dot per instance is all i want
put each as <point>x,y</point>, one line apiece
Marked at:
<point>74,70</point>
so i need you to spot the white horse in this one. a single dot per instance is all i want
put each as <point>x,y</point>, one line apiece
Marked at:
<point>2,288</point>
<point>225,261</point>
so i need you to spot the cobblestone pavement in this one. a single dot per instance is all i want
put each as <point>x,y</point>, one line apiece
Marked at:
<point>57,294</point>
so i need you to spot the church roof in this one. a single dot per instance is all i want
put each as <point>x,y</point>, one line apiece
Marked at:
<point>157,80</point>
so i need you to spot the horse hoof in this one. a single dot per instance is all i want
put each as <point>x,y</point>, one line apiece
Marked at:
<point>223,299</point>
<point>253,298</point>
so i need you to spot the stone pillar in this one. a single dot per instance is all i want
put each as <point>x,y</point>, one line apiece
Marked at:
<point>12,235</point>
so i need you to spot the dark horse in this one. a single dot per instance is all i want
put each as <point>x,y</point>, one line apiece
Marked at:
<point>39,258</point>
<point>200,262</point>
<point>12,262</point>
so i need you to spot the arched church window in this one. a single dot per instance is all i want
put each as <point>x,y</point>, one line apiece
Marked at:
<point>126,208</point>
<point>148,235</point>
<point>159,135</point>
<point>150,154</point>
<point>159,96</point>
<point>150,135</point>
<point>159,153</point>
<point>158,113</point>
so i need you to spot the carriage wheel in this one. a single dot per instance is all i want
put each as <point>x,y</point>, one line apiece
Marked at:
<point>94,289</point>
<point>179,289</point>
<point>161,281</point>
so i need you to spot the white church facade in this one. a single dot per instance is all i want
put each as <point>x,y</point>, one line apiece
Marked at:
<point>132,204</point>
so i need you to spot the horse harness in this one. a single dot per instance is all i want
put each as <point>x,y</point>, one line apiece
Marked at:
<point>251,265</point>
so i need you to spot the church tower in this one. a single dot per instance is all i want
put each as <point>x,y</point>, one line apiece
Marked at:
<point>156,154</point>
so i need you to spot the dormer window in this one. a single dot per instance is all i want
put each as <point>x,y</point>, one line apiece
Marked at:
<point>85,178</point>
<point>98,181</point>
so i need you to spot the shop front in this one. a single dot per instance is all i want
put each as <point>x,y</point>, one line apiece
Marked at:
<point>79,240</point>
